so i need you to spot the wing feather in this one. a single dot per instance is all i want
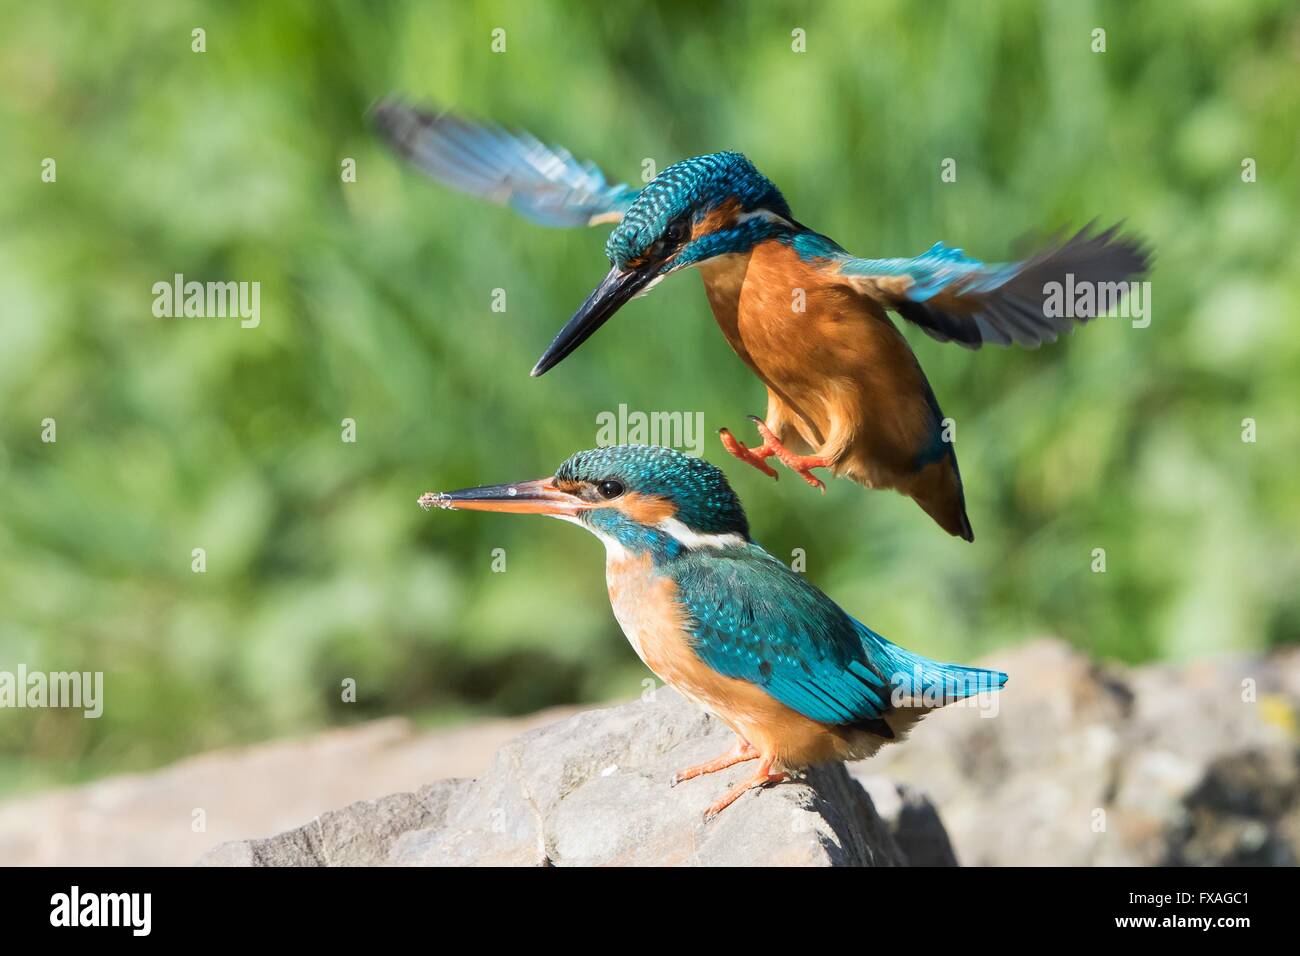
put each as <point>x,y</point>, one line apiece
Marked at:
<point>754,619</point>
<point>954,298</point>
<point>542,183</point>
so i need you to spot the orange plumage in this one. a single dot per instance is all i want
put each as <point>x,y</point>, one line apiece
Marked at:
<point>843,385</point>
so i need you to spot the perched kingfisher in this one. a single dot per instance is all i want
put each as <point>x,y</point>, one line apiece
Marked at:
<point>731,627</point>
<point>844,389</point>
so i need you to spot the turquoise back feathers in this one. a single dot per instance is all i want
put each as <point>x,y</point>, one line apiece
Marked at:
<point>749,616</point>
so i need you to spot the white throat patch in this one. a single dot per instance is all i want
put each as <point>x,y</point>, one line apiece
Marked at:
<point>693,539</point>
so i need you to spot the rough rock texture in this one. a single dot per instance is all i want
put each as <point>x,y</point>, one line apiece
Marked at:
<point>148,819</point>
<point>1091,765</point>
<point>1084,764</point>
<point>593,790</point>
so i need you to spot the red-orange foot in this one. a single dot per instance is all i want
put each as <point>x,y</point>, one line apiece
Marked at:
<point>801,465</point>
<point>738,754</point>
<point>763,778</point>
<point>753,456</point>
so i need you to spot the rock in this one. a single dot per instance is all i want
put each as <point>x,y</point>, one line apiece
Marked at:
<point>1195,764</point>
<point>594,790</point>
<point>913,822</point>
<point>358,835</point>
<point>1091,765</point>
<point>150,819</point>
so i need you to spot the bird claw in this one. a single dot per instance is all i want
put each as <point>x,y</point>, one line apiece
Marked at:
<point>764,778</point>
<point>737,449</point>
<point>813,480</point>
<point>801,465</point>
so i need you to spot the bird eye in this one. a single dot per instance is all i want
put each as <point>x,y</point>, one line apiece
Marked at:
<point>675,232</point>
<point>609,488</point>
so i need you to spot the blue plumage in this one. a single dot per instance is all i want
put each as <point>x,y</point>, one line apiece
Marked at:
<point>954,298</point>
<point>735,630</point>
<point>698,491</point>
<point>750,616</point>
<point>949,295</point>
<point>934,270</point>
<point>754,619</point>
<point>692,187</point>
<point>542,183</point>
<point>845,391</point>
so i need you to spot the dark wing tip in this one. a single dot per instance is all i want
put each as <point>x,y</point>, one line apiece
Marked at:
<point>1104,255</point>
<point>874,725</point>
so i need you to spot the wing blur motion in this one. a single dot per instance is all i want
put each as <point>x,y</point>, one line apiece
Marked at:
<point>542,183</point>
<point>954,298</point>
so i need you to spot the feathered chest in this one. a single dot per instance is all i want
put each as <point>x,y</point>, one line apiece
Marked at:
<point>646,608</point>
<point>784,315</point>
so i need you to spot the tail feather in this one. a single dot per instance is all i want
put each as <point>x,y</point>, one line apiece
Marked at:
<point>925,682</point>
<point>938,490</point>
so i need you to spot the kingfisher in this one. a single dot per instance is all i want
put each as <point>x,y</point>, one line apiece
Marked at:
<point>845,391</point>
<point>711,613</point>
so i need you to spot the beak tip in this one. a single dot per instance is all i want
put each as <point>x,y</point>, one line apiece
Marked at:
<point>433,499</point>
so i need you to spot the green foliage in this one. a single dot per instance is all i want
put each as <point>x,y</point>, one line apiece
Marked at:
<point>376,298</point>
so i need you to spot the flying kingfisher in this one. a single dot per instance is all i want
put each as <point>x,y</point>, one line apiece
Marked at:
<point>844,389</point>
<point>731,627</point>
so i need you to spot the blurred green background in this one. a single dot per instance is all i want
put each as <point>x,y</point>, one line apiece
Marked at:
<point>376,305</point>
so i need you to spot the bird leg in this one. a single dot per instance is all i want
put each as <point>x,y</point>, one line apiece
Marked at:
<point>799,464</point>
<point>742,751</point>
<point>762,778</point>
<point>753,456</point>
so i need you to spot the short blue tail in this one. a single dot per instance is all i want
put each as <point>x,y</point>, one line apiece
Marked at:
<point>924,681</point>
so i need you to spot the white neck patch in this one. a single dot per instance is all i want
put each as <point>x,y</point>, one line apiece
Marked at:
<point>693,539</point>
<point>616,552</point>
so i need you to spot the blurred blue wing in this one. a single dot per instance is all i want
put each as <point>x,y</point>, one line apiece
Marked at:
<point>542,183</point>
<point>754,619</point>
<point>954,298</point>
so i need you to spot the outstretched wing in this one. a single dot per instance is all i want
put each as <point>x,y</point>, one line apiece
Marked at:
<point>954,298</point>
<point>543,183</point>
<point>754,619</point>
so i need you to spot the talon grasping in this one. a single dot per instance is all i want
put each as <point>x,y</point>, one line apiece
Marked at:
<point>753,456</point>
<point>763,778</point>
<point>831,356</point>
<point>801,465</point>
<point>741,752</point>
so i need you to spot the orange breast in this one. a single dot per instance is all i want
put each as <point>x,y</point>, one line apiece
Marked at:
<point>841,371</point>
<point>654,621</point>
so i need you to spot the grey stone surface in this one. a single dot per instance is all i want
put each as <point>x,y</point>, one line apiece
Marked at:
<point>594,790</point>
<point>149,819</point>
<point>1196,763</point>
<point>913,821</point>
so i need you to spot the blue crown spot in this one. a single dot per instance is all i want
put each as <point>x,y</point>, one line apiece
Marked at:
<point>697,185</point>
<point>704,500</point>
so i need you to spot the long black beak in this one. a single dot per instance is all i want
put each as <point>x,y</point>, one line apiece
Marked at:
<point>526,497</point>
<point>606,299</point>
